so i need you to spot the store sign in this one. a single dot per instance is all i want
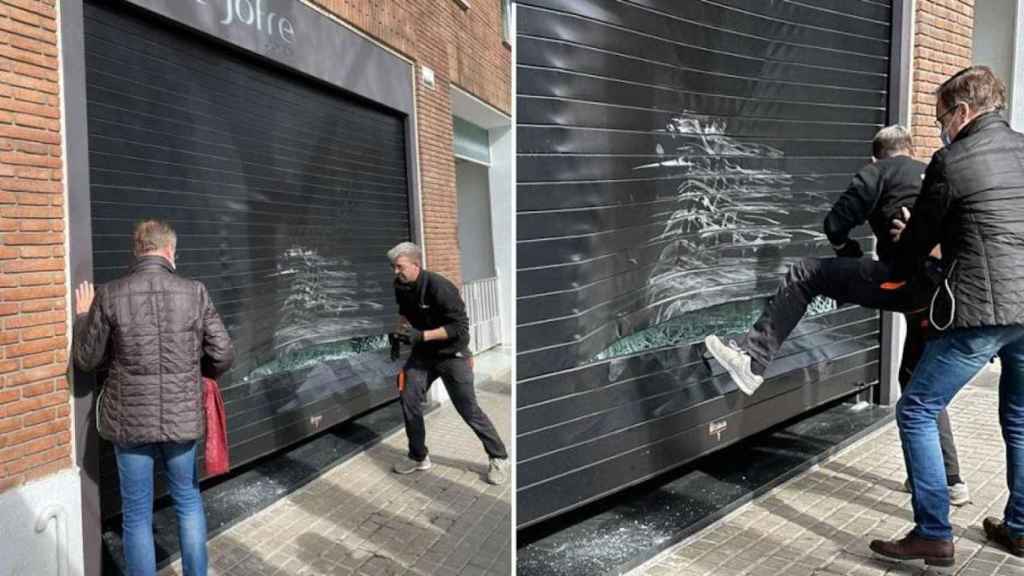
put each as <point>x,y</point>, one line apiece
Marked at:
<point>252,13</point>
<point>301,38</point>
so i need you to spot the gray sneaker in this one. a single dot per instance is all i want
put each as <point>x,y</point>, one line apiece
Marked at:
<point>959,495</point>
<point>408,466</point>
<point>736,362</point>
<point>497,472</point>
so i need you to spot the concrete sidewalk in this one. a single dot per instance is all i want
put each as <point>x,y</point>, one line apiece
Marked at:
<point>820,522</point>
<point>359,518</point>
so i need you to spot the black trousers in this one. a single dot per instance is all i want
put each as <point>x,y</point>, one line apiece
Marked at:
<point>862,281</point>
<point>457,376</point>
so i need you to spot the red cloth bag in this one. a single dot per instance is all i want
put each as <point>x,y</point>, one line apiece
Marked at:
<point>216,430</point>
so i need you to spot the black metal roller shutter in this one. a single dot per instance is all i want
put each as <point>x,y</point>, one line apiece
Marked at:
<point>673,159</point>
<point>285,194</point>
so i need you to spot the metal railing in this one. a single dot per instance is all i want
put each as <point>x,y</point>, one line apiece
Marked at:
<point>481,297</point>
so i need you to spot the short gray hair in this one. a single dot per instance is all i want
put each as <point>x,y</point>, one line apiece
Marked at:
<point>890,140</point>
<point>407,249</point>
<point>153,235</point>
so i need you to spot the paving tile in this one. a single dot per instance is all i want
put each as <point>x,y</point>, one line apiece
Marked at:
<point>358,518</point>
<point>820,522</point>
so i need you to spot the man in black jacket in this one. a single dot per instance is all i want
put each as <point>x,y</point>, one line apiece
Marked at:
<point>155,333</point>
<point>972,203</point>
<point>877,194</point>
<point>433,320</point>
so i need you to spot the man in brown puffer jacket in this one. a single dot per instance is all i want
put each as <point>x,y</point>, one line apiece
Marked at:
<point>157,334</point>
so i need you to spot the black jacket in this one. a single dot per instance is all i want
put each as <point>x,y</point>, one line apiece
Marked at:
<point>875,195</point>
<point>972,203</point>
<point>434,302</point>
<point>152,330</point>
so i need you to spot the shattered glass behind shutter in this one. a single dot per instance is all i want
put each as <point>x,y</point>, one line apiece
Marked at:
<point>319,317</point>
<point>719,204</point>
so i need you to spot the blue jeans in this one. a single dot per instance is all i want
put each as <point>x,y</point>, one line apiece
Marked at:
<point>135,467</point>
<point>949,361</point>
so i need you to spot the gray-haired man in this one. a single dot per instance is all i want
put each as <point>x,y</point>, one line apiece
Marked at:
<point>878,193</point>
<point>434,321</point>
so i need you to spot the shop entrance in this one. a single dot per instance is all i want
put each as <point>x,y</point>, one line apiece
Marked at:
<point>285,193</point>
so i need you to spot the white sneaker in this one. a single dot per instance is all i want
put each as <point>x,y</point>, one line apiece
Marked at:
<point>408,466</point>
<point>959,495</point>
<point>497,473</point>
<point>736,362</point>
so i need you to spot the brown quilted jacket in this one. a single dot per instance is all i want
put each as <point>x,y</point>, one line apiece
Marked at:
<point>156,333</point>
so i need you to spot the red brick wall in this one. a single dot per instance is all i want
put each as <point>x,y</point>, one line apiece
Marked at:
<point>943,32</point>
<point>35,431</point>
<point>464,48</point>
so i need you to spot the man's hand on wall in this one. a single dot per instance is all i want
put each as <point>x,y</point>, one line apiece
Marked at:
<point>84,295</point>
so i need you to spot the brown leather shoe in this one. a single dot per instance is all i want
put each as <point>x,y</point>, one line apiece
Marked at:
<point>911,547</point>
<point>997,532</point>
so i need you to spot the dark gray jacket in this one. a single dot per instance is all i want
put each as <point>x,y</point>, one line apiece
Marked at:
<point>156,333</point>
<point>972,203</point>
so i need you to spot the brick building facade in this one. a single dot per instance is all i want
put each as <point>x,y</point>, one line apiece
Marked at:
<point>943,31</point>
<point>35,436</point>
<point>462,44</point>
<point>463,47</point>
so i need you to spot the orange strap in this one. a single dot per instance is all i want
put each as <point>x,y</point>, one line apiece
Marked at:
<point>401,381</point>
<point>893,285</point>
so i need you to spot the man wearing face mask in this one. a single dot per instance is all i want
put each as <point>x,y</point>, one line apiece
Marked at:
<point>433,320</point>
<point>972,203</point>
<point>157,334</point>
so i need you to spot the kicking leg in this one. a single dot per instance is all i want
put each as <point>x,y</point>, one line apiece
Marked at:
<point>851,280</point>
